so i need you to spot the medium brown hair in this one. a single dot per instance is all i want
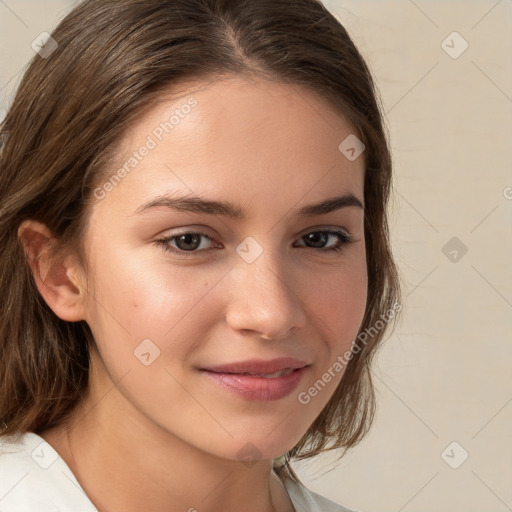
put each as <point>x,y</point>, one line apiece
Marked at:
<point>115,59</point>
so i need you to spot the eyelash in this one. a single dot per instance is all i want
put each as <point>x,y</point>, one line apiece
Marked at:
<point>344,240</point>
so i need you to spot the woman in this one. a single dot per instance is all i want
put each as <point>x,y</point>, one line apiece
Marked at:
<point>195,257</point>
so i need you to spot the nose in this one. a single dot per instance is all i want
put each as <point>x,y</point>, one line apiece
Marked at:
<point>265,299</point>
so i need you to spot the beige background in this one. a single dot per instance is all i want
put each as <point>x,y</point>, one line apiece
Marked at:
<point>445,374</point>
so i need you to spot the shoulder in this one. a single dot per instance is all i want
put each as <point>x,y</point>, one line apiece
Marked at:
<point>34,477</point>
<point>305,500</point>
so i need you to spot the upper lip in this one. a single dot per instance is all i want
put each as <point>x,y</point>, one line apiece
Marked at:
<point>258,366</point>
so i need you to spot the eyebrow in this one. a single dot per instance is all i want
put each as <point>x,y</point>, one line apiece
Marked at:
<point>196,204</point>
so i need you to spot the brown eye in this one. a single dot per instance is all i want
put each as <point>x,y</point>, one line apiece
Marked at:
<point>188,242</point>
<point>318,239</point>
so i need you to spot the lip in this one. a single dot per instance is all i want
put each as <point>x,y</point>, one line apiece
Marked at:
<point>257,388</point>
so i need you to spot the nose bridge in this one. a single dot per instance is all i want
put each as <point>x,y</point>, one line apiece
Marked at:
<point>264,299</point>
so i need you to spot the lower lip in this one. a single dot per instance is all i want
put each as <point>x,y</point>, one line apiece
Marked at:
<point>258,388</point>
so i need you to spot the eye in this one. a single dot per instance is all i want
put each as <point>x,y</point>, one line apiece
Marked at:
<point>320,238</point>
<point>190,242</point>
<point>187,242</point>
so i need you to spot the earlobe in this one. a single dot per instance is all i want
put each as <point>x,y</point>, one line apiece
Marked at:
<point>52,279</point>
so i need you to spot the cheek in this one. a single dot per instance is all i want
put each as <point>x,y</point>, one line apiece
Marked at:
<point>138,298</point>
<point>338,301</point>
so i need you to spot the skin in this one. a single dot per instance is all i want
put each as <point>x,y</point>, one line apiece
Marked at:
<point>145,437</point>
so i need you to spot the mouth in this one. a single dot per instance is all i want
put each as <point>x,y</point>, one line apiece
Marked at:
<point>258,385</point>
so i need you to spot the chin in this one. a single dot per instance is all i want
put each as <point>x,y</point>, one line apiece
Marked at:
<point>251,448</point>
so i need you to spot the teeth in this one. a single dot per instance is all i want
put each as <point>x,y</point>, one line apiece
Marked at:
<point>280,373</point>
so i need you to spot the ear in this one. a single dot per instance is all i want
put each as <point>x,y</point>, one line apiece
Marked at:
<point>55,281</point>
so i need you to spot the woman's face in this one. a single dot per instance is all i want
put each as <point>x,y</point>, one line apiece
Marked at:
<point>260,285</point>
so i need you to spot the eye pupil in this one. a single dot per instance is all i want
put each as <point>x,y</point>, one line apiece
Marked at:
<point>313,237</point>
<point>196,241</point>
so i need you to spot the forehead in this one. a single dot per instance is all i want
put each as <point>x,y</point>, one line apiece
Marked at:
<point>235,138</point>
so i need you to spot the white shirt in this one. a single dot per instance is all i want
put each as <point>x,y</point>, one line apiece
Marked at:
<point>34,478</point>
